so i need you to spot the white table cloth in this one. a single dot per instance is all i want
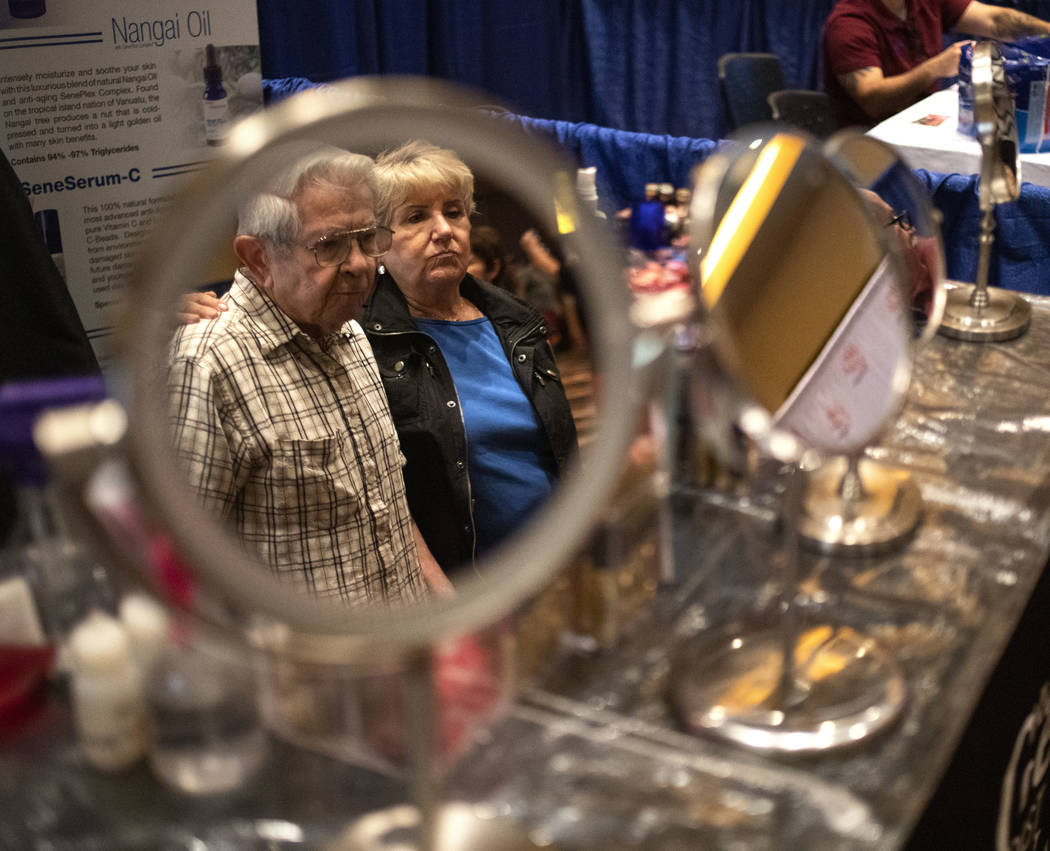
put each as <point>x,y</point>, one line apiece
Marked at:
<point>940,147</point>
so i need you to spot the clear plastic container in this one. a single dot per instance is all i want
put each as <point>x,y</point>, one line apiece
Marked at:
<point>206,732</point>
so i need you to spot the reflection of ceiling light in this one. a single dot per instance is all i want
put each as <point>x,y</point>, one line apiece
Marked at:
<point>747,212</point>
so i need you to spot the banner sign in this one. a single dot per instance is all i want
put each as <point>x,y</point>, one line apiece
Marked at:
<point>104,108</point>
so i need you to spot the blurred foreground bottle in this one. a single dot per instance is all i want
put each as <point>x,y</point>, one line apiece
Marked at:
<point>61,575</point>
<point>108,706</point>
<point>206,732</point>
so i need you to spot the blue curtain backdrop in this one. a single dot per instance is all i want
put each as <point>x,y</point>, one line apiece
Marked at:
<point>588,70</point>
<point>642,65</point>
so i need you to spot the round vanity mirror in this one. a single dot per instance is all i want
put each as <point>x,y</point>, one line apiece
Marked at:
<point>807,296</point>
<point>270,411</point>
<point>793,313</point>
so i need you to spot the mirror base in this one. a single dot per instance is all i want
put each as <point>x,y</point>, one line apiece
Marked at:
<point>884,516</point>
<point>458,826</point>
<point>846,689</point>
<point>1006,316</point>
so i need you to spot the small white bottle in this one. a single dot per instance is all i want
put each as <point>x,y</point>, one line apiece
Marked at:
<point>148,628</point>
<point>109,708</point>
<point>587,189</point>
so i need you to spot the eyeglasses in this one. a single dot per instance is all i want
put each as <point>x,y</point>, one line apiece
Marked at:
<point>902,219</point>
<point>333,249</point>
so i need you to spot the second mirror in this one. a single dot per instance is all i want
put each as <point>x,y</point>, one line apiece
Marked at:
<point>805,305</point>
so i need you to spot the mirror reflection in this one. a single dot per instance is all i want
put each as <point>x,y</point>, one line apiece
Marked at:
<point>901,204</point>
<point>375,405</point>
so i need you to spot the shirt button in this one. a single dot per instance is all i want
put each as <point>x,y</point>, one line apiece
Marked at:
<point>431,350</point>
<point>377,326</point>
<point>460,464</point>
<point>399,366</point>
<point>466,527</point>
<point>451,403</point>
<point>522,358</point>
<point>543,330</point>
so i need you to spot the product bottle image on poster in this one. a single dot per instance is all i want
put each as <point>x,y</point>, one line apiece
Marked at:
<point>216,103</point>
<point>47,223</point>
<point>26,8</point>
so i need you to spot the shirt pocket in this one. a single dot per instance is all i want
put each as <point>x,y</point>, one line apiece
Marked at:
<point>316,482</point>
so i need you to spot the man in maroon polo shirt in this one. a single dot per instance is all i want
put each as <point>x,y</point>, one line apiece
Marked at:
<point>883,55</point>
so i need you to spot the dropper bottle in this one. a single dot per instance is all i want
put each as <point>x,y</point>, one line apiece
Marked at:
<point>216,102</point>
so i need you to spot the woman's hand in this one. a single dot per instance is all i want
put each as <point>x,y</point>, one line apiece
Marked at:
<point>193,307</point>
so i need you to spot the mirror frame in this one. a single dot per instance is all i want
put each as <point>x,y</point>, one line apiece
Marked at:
<point>372,114</point>
<point>996,123</point>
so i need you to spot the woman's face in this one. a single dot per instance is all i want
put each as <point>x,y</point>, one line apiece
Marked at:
<point>431,244</point>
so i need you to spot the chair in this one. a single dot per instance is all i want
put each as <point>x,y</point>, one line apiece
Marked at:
<point>808,110</point>
<point>747,80</point>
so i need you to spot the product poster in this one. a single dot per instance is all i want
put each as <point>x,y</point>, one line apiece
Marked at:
<point>104,108</point>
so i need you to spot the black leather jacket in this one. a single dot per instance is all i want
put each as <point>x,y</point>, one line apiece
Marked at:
<point>426,411</point>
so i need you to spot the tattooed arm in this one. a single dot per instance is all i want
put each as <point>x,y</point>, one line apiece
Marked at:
<point>880,96</point>
<point>997,22</point>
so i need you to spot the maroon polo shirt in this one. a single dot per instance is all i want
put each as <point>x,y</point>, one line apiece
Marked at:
<point>865,34</point>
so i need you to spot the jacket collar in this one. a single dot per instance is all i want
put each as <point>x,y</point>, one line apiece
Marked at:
<point>388,311</point>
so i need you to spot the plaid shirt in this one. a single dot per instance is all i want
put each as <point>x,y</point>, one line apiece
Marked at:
<point>291,439</point>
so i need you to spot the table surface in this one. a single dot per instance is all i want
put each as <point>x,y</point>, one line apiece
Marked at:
<point>591,758</point>
<point>941,148</point>
<point>974,435</point>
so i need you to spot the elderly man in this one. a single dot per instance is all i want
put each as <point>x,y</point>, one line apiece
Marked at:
<point>279,414</point>
<point>883,55</point>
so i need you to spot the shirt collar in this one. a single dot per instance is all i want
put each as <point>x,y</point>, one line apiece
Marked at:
<point>273,327</point>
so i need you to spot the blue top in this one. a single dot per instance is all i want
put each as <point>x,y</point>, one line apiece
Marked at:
<point>512,470</point>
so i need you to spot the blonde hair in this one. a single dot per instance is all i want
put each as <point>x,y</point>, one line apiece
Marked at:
<point>416,167</point>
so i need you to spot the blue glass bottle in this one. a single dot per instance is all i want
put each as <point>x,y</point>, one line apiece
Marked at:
<point>216,103</point>
<point>646,227</point>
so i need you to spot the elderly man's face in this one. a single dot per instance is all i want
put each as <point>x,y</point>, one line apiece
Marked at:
<point>321,299</point>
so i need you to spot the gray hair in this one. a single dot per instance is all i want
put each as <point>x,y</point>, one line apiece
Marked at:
<point>272,214</point>
<point>417,167</point>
